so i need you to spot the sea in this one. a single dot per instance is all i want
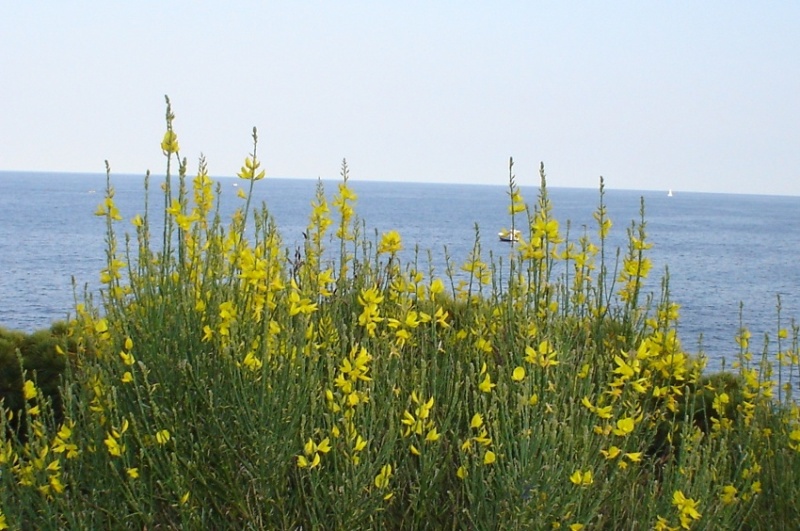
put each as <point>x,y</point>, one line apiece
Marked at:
<point>730,259</point>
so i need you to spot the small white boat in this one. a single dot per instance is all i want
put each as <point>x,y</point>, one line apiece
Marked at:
<point>509,236</point>
<point>669,194</point>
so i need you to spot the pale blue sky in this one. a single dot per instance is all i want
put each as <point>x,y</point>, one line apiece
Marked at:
<point>696,96</point>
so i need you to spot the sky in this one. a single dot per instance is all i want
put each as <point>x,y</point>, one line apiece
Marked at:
<point>682,95</point>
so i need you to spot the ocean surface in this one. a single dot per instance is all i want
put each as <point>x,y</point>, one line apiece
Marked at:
<point>721,250</point>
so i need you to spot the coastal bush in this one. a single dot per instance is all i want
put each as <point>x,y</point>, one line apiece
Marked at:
<point>224,383</point>
<point>36,357</point>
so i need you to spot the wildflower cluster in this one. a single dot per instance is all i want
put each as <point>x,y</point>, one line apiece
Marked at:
<point>224,381</point>
<point>419,425</point>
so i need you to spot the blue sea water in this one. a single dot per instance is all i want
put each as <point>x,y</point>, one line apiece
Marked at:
<point>721,250</point>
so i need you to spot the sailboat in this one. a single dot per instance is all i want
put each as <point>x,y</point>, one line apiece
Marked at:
<point>669,194</point>
<point>510,235</point>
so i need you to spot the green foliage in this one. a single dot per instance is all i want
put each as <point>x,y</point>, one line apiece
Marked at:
<point>223,384</point>
<point>34,357</point>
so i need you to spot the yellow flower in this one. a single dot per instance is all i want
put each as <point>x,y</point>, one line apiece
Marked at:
<point>547,354</point>
<point>313,450</point>
<point>170,142</point>
<point>462,472</point>
<point>634,456</point>
<point>29,390</point>
<point>611,453</point>
<point>476,422</point>
<point>162,437</point>
<point>299,304</point>
<point>412,423</point>
<point>519,374</point>
<point>114,448</point>
<point>65,432</point>
<point>483,345</point>
<point>794,440</point>
<point>624,426</point>
<point>127,358</point>
<point>432,435</point>
<point>133,473</point>
<point>582,478</point>
<point>489,457</point>
<point>101,327</point>
<point>108,208</point>
<point>127,377</point>
<point>517,202</point>
<point>486,385</point>
<point>315,461</point>
<point>252,362</point>
<point>605,226</point>
<point>728,495</point>
<point>55,484</point>
<point>324,446</point>
<point>662,524</point>
<point>248,171</point>
<point>390,243</point>
<point>604,412</point>
<point>587,404</point>
<point>382,479</point>
<point>185,498</point>
<point>437,287</point>
<point>546,228</point>
<point>720,402</point>
<point>624,370</point>
<point>687,508</point>
<point>483,438</point>
<point>743,338</point>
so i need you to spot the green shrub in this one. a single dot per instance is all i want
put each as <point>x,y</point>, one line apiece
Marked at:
<point>223,385</point>
<point>33,357</point>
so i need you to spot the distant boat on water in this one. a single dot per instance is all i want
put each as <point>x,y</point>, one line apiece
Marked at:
<point>509,235</point>
<point>669,194</point>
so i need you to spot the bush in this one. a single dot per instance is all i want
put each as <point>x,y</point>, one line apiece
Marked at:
<point>223,385</point>
<point>33,357</point>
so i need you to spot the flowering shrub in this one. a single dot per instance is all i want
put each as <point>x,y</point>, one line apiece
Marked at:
<point>221,384</point>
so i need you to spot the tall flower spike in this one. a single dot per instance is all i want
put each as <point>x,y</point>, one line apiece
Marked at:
<point>517,204</point>
<point>169,144</point>
<point>251,165</point>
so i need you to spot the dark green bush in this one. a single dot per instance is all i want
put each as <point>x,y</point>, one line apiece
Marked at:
<point>34,357</point>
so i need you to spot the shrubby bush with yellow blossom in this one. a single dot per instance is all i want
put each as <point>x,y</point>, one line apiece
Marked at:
<point>222,383</point>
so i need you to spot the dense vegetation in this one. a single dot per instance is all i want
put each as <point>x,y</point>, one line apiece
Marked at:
<point>222,382</point>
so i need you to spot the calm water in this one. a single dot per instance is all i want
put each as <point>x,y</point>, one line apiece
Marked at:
<point>721,249</point>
